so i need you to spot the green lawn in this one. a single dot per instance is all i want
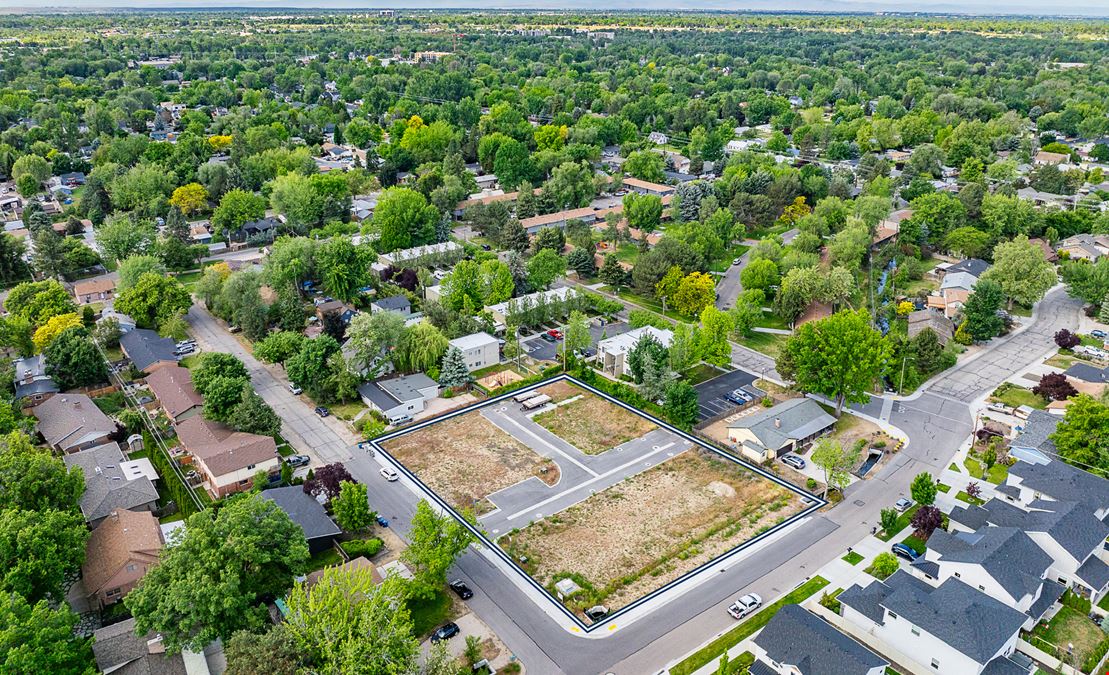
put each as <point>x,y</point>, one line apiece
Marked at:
<point>1015,396</point>
<point>648,303</point>
<point>347,411</point>
<point>627,253</point>
<point>190,361</point>
<point>700,373</point>
<point>996,475</point>
<point>1070,626</point>
<point>853,558</point>
<point>902,522</point>
<point>964,497</point>
<point>954,467</point>
<point>324,558</point>
<point>713,650</point>
<point>771,320</point>
<point>916,544</point>
<point>189,279</point>
<point>944,488</point>
<point>767,343</point>
<point>427,615</point>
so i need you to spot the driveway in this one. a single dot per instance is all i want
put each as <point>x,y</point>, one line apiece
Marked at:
<point>710,394</point>
<point>728,286</point>
<point>541,350</point>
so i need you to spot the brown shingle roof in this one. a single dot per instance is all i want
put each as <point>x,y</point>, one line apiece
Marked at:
<point>100,284</point>
<point>123,536</point>
<point>222,449</point>
<point>69,420</point>
<point>173,387</point>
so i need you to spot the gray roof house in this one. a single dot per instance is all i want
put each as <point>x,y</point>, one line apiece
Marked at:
<point>778,430</point>
<point>304,510</point>
<point>952,628</point>
<point>973,266</point>
<point>394,303</point>
<point>113,482</point>
<point>1003,562</point>
<point>32,384</point>
<point>1033,443</point>
<point>399,397</point>
<point>119,651</point>
<point>72,422</point>
<point>1087,373</point>
<point>148,350</point>
<point>942,326</point>
<point>797,641</point>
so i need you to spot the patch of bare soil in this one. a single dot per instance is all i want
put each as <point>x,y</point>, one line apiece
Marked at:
<point>561,390</point>
<point>466,458</point>
<point>593,424</point>
<point>639,535</point>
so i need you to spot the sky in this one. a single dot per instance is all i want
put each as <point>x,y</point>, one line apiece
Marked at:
<point>992,7</point>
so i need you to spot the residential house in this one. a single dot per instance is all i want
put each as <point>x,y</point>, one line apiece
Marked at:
<point>612,352</point>
<point>399,397</point>
<point>227,459</point>
<point>788,426</point>
<point>72,422</point>
<point>445,252</point>
<point>797,642</point>
<point>658,138</point>
<point>952,628</point>
<point>119,552</point>
<point>1084,247</point>
<point>398,304</point>
<point>645,187</point>
<point>1083,372</point>
<point>559,219</point>
<point>1033,443</point>
<point>956,284</point>
<point>147,350</point>
<point>32,384</point>
<point>362,207</point>
<point>502,310</point>
<point>113,482</point>
<point>480,350</point>
<point>345,311</point>
<point>201,232</point>
<point>1049,253</point>
<point>1044,158</point>
<point>1002,562</point>
<point>942,326</point>
<point>267,226</point>
<point>485,198</point>
<point>303,509</point>
<point>96,289</point>
<point>119,651</point>
<point>1042,198</point>
<point>173,387</point>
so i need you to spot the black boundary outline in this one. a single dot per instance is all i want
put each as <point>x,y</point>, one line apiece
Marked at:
<point>819,502</point>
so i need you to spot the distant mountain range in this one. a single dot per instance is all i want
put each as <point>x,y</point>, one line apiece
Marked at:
<point>1084,8</point>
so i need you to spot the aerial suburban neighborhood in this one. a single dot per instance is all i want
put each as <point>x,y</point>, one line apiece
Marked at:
<point>442,342</point>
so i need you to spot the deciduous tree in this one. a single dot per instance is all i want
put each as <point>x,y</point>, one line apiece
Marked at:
<point>35,638</point>
<point>434,541</point>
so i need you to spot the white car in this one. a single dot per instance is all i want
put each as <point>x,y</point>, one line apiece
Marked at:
<point>389,474</point>
<point>998,407</point>
<point>295,389</point>
<point>744,605</point>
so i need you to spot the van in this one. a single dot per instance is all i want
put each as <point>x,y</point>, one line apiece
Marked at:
<point>397,420</point>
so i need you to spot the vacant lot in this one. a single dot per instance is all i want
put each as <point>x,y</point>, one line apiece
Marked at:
<point>561,390</point>
<point>638,535</point>
<point>590,423</point>
<point>466,458</point>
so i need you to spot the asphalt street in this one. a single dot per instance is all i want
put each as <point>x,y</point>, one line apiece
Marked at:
<point>936,422</point>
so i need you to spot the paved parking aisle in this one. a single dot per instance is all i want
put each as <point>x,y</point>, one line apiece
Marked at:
<point>710,394</point>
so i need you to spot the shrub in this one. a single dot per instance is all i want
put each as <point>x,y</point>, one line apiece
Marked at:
<point>1075,602</point>
<point>811,483</point>
<point>830,602</point>
<point>884,565</point>
<point>362,547</point>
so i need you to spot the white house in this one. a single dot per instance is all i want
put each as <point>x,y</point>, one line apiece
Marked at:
<point>480,350</point>
<point>612,352</point>
<point>952,628</point>
<point>502,310</point>
<point>401,397</point>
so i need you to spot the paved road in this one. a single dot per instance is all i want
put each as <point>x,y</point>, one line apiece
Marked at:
<point>729,286</point>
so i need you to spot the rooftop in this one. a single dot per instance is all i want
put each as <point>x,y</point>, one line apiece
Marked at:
<point>122,536</point>
<point>473,341</point>
<point>1006,553</point>
<point>108,484</point>
<point>222,449</point>
<point>797,637</point>
<point>304,510</point>
<point>625,342</point>
<point>69,420</point>
<point>145,347</point>
<point>793,419</point>
<point>1036,433</point>
<point>173,387</point>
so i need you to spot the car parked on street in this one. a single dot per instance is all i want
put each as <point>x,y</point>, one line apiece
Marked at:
<point>794,461</point>
<point>1099,334</point>
<point>322,411</point>
<point>295,389</point>
<point>298,460</point>
<point>445,632</point>
<point>744,605</point>
<point>902,505</point>
<point>461,589</point>
<point>904,551</point>
<point>382,521</point>
<point>388,473</point>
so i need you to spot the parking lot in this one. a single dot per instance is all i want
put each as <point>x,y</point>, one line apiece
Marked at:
<point>541,350</point>
<point>710,394</point>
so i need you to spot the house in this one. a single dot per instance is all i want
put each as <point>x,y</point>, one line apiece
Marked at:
<point>72,422</point>
<point>399,397</point>
<point>303,509</point>
<point>1002,562</point>
<point>262,227</point>
<point>1084,247</point>
<point>942,326</point>
<point>345,311</point>
<point>147,350</point>
<point>173,387</point>
<point>502,310</point>
<point>118,650</point>
<point>658,138</point>
<point>612,352</point>
<point>484,199</point>
<point>644,187</point>
<point>1082,372</point>
<point>797,642</point>
<point>362,208</point>
<point>952,628</point>
<point>96,289</point>
<point>200,232</point>
<point>447,252</point>
<point>1033,443</point>
<point>32,384</point>
<point>113,482</point>
<point>119,552</point>
<point>227,459</point>
<point>398,304</point>
<point>480,350</point>
<point>974,267</point>
<point>786,427</point>
<point>1049,253</point>
<point>559,219</point>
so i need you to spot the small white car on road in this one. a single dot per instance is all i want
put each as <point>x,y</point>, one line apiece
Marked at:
<point>744,605</point>
<point>389,474</point>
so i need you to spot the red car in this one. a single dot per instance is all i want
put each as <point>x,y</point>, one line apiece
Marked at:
<point>555,333</point>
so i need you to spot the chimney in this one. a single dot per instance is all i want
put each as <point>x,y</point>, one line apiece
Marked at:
<point>777,422</point>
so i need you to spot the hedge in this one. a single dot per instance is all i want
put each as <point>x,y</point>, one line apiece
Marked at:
<point>180,493</point>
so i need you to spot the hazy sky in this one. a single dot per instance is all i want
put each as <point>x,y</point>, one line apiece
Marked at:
<point>1038,7</point>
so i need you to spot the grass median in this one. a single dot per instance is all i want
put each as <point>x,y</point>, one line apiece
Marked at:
<point>714,649</point>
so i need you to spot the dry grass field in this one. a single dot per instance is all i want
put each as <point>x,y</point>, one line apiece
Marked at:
<point>652,528</point>
<point>590,423</point>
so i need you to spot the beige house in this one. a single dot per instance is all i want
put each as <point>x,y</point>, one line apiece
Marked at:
<point>119,552</point>
<point>228,459</point>
<point>787,427</point>
<point>96,289</point>
<point>173,387</point>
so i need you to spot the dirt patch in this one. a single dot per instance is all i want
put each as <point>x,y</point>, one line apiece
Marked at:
<point>639,535</point>
<point>500,379</point>
<point>561,390</point>
<point>466,458</point>
<point>592,424</point>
